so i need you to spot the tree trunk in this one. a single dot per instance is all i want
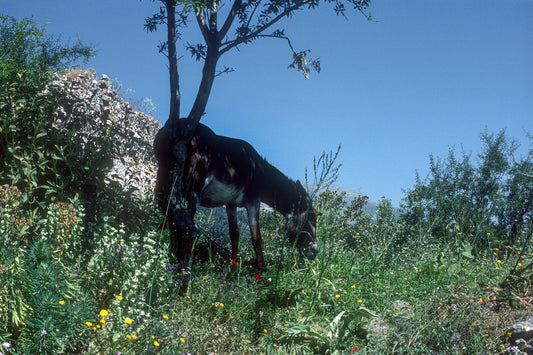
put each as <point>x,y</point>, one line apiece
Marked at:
<point>173,61</point>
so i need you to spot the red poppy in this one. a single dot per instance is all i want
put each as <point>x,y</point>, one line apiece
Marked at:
<point>355,348</point>
<point>257,276</point>
<point>234,262</point>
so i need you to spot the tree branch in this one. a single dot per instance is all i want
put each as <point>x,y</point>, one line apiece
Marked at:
<point>203,25</point>
<point>225,47</point>
<point>229,20</point>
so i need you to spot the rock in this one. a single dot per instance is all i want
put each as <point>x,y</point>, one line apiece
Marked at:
<point>521,337</point>
<point>90,109</point>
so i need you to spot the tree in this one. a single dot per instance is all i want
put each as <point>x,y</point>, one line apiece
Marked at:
<point>486,202</point>
<point>249,20</point>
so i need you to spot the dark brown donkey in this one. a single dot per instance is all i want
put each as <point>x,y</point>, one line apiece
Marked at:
<point>225,171</point>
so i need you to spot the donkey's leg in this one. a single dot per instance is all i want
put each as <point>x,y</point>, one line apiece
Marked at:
<point>231,211</point>
<point>253,221</point>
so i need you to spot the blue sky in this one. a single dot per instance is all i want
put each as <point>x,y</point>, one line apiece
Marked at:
<point>426,76</point>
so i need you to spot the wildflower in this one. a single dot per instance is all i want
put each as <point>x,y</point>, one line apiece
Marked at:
<point>337,296</point>
<point>165,316</point>
<point>360,301</point>
<point>57,330</point>
<point>102,321</point>
<point>89,324</point>
<point>519,264</point>
<point>61,302</point>
<point>416,269</point>
<point>257,277</point>
<point>221,304</point>
<point>233,262</point>
<point>104,313</point>
<point>156,343</point>
<point>182,340</point>
<point>266,331</point>
<point>353,286</point>
<point>355,348</point>
<point>127,320</point>
<point>499,261</point>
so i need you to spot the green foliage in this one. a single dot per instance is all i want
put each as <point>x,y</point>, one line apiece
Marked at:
<point>35,158</point>
<point>483,204</point>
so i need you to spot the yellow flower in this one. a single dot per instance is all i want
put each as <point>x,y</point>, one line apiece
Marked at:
<point>57,330</point>
<point>499,261</point>
<point>102,321</point>
<point>360,301</point>
<point>103,313</point>
<point>127,320</point>
<point>133,336</point>
<point>182,340</point>
<point>337,296</point>
<point>221,304</point>
<point>519,264</point>
<point>156,343</point>
<point>165,316</point>
<point>120,298</point>
<point>353,286</point>
<point>266,331</point>
<point>128,336</point>
<point>153,336</point>
<point>89,324</point>
<point>61,302</point>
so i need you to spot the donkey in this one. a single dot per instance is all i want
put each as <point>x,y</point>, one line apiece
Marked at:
<point>222,171</point>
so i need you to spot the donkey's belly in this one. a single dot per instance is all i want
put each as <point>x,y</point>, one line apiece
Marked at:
<point>216,193</point>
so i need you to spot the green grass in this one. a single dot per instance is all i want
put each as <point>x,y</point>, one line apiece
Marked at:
<point>121,295</point>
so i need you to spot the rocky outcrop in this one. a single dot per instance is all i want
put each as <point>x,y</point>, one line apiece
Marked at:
<point>521,337</point>
<point>91,109</point>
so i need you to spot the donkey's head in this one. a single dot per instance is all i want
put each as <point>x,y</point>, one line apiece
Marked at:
<point>301,226</point>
